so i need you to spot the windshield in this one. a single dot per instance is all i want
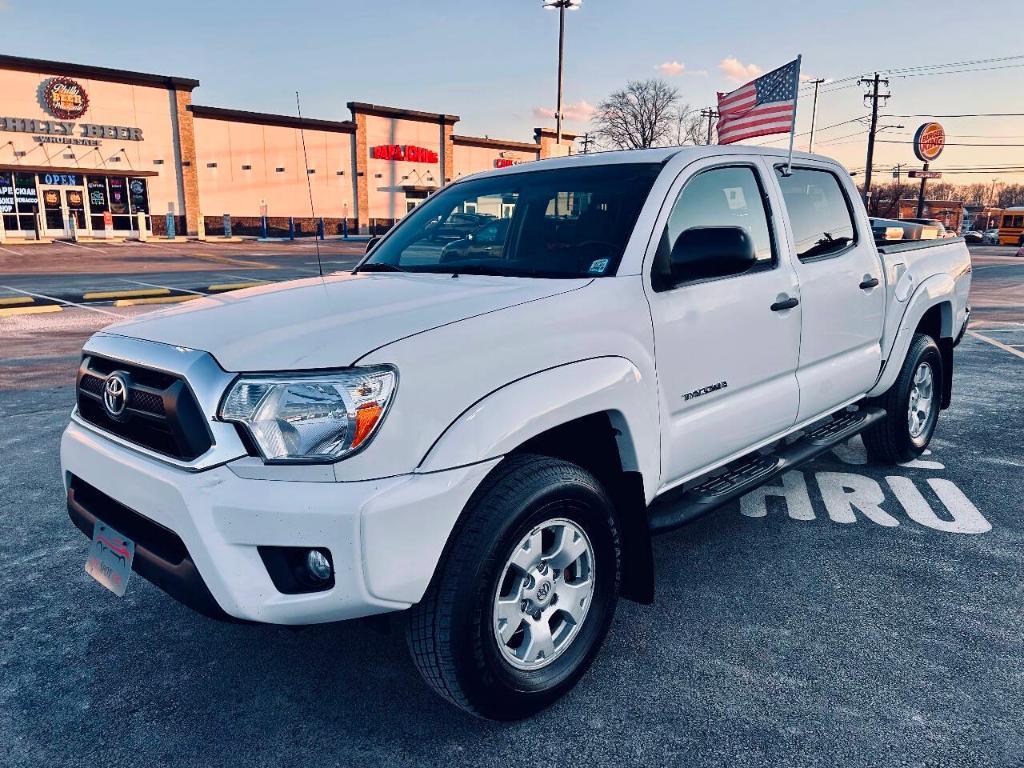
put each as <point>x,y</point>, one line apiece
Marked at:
<point>565,222</point>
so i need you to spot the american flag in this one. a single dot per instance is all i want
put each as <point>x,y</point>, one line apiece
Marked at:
<point>763,106</point>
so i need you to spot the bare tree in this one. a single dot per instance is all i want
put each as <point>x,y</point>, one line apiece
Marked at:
<point>691,126</point>
<point>643,114</point>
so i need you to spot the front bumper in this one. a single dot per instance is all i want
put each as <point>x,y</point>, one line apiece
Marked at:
<point>385,536</point>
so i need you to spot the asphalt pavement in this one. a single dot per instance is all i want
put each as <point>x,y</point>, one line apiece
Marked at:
<point>852,615</point>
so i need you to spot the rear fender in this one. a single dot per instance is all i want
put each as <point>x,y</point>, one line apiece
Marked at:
<point>938,290</point>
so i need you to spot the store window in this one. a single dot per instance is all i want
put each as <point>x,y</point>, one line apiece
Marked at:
<point>96,187</point>
<point>138,195</point>
<point>26,199</point>
<point>7,209</point>
<point>117,196</point>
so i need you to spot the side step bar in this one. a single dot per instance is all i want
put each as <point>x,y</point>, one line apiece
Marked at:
<point>752,470</point>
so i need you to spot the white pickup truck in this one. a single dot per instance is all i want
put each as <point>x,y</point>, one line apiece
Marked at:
<point>483,425</point>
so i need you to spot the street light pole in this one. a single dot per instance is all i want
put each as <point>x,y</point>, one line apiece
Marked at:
<point>814,111</point>
<point>561,61</point>
<point>561,5</point>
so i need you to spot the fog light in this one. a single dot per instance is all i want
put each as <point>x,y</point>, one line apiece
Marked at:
<point>318,566</point>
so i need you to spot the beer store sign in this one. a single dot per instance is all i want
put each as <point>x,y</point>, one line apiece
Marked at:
<point>67,132</point>
<point>67,101</point>
<point>65,98</point>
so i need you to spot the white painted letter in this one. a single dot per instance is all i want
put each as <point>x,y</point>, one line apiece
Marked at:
<point>966,517</point>
<point>793,490</point>
<point>842,493</point>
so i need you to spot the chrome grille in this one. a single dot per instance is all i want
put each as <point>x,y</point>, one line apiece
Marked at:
<point>160,414</point>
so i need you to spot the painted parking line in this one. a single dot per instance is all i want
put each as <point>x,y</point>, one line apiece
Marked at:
<point>999,344</point>
<point>154,285</point>
<point>129,293</point>
<point>63,302</point>
<point>8,250</point>
<point>79,245</point>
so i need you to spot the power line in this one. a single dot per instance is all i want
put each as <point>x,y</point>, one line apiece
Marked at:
<point>966,114</point>
<point>950,143</point>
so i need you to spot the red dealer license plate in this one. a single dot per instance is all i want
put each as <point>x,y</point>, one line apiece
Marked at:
<point>110,558</point>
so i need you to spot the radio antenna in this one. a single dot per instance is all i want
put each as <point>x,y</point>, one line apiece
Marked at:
<point>309,186</point>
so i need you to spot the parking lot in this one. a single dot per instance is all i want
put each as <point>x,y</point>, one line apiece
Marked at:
<point>855,615</point>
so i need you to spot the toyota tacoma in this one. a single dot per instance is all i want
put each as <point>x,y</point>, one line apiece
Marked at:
<point>486,438</point>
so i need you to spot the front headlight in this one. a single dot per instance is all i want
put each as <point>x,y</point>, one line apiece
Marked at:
<point>315,417</point>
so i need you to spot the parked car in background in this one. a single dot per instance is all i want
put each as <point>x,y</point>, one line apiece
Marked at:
<point>455,226</point>
<point>991,237</point>
<point>974,237</point>
<point>935,224</point>
<point>488,242</point>
<point>890,230</point>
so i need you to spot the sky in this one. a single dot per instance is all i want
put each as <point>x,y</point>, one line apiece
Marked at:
<point>493,62</point>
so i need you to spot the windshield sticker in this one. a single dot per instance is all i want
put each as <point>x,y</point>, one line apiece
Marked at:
<point>735,198</point>
<point>598,266</point>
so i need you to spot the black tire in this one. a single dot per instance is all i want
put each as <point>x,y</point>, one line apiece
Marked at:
<point>449,631</point>
<point>890,441</point>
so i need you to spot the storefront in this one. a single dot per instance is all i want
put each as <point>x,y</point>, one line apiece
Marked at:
<point>49,204</point>
<point>97,152</point>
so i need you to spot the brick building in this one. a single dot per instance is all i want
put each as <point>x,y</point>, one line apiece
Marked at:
<point>93,147</point>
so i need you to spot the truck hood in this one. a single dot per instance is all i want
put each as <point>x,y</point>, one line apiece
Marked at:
<point>330,321</point>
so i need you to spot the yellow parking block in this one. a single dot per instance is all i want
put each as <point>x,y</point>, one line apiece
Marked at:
<point>6,301</point>
<point>237,286</point>
<point>132,293</point>
<point>154,300</point>
<point>10,311</point>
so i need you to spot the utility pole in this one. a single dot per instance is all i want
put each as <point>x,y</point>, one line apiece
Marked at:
<point>814,112</point>
<point>710,113</point>
<point>875,96</point>
<point>896,172</point>
<point>561,5</point>
<point>920,194</point>
<point>586,140</point>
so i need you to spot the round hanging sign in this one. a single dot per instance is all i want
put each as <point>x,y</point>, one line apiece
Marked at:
<point>65,98</point>
<point>929,141</point>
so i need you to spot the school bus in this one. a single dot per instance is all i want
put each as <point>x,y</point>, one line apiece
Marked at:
<point>1011,226</point>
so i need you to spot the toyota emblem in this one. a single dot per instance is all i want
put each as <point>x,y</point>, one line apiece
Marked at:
<point>115,394</point>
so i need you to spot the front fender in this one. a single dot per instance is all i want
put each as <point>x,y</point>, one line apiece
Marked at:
<point>510,415</point>
<point>936,290</point>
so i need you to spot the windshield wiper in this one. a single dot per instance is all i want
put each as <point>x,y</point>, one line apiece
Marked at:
<point>378,266</point>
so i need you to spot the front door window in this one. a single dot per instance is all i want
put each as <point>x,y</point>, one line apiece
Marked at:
<point>74,200</point>
<point>53,211</point>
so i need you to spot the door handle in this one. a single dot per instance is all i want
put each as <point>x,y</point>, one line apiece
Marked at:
<point>868,282</point>
<point>779,306</point>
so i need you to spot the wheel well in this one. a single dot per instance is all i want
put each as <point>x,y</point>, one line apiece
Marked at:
<point>937,322</point>
<point>596,444</point>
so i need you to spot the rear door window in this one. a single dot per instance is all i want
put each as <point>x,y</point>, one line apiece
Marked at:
<point>819,213</point>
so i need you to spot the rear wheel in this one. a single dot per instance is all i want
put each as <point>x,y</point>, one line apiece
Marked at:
<point>912,406</point>
<point>523,600</point>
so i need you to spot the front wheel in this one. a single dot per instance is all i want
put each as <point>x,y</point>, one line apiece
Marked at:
<point>523,600</point>
<point>912,405</point>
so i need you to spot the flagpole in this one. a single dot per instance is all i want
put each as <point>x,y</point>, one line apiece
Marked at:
<point>792,128</point>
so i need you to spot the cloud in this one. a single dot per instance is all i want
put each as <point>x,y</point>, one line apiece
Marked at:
<point>674,68</point>
<point>737,71</point>
<point>580,112</point>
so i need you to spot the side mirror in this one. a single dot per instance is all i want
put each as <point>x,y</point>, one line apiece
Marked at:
<point>703,252</point>
<point>371,242</point>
